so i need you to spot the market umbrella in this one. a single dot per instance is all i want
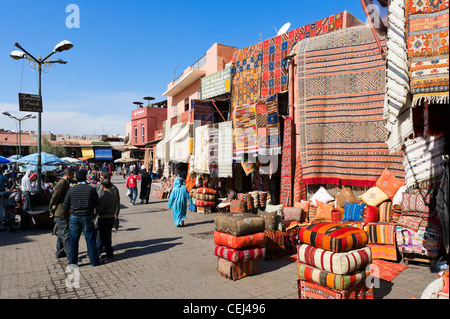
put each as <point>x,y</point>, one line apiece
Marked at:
<point>14,158</point>
<point>4,160</point>
<point>70,160</point>
<point>126,160</point>
<point>46,159</point>
<point>45,168</point>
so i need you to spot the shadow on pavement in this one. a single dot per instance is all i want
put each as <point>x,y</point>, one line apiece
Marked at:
<point>143,247</point>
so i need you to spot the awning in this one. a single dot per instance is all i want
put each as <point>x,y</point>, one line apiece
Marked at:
<point>163,147</point>
<point>87,152</point>
<point>103,154</point>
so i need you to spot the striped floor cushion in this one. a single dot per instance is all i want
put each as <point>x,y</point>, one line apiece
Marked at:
<point>311,290</point>
<point>331,280</point>
<point>381,233</point>
<point>239,242</point>
<point>235,271</point>
<point>274,244</point>
<point>333,236</point>
<point>388,252</point>
<point>337,263</point>
<point>239,255</point>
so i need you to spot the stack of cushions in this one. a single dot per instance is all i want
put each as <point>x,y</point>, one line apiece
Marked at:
<point>239,244</point>
<point>248,199</point>
<point>418,230</point>
<point>205,199</point>
<point>332,261</point>
<point>259,199</point>
<point>275,245</point>
<point>160,193</point>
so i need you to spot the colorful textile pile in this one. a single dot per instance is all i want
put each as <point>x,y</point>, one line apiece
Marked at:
<point>204,199</point>
<point>286,165</point>
<point>397,108</point>
<point>340,101</point>
<point>239,243</point>
<point>334,256</point>
<point>428,50</point>
<point>425,241</point>
<point>311,290</point>
<point>274,244</point>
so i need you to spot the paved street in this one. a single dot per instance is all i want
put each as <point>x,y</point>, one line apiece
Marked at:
<point>155,259</point>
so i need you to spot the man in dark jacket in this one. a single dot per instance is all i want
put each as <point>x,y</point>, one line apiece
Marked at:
<point>146,185</point>
<point>60,213</point>
<point>81,201</point>
<point>106,211</point>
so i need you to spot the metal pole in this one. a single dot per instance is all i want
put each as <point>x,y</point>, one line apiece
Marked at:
<point>20,141</point>
<point>39,172</point>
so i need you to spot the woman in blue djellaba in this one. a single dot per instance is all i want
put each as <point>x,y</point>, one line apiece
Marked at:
<point>178,201</point>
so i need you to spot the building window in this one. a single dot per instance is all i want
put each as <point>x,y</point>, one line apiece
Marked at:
<point>186,105</point>
<point>135,134</point>
<point>143,133</point>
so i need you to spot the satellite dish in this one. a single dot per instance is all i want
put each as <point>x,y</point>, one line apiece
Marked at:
<point>284,28</point>
<point>139,104</point>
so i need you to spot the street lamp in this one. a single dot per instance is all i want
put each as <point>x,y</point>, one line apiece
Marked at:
<point>27,116</point>
<point>24,54</point>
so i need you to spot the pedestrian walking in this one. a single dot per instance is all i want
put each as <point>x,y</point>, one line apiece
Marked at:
<point>113,189</point>
<point>61,214</point>
<point>81,201</point>
<point>27,189</point>
<point>178,201</point>
<point>146,184</point>
<point>106,213</point>
<point>132,187</point>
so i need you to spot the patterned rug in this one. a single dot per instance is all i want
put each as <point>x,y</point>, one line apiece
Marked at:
<point>386,270</point>
<point>341,86</point>
<point>428,50</point>
<point>213,150</point>
<point>286,165</point>
<point>245,129</point>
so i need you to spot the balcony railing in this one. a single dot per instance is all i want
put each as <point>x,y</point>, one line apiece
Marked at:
<point>196,66</point>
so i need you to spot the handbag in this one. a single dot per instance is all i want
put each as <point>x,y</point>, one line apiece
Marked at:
<point>128,193</point>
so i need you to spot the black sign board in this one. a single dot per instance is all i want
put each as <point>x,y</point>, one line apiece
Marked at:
<point>30,102</point>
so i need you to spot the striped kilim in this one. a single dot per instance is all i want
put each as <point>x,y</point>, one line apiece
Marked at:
<point>245,129</point>
<point>428,49</point>
<point>341,86</point>
<point>286,165</point>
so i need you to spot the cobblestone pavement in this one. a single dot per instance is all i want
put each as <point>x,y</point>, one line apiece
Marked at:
<point>156,260</point>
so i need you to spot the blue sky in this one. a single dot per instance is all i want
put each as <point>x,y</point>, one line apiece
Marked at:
<point>125,50</point>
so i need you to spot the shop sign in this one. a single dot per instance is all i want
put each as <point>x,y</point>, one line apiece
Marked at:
<point>30,102</point>
<point>216,84</point>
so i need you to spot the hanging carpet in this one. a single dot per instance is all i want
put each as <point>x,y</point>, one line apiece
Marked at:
<point>341,86</point>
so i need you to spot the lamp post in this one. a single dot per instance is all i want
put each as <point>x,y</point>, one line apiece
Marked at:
<point>24,54</point>
<point>19,120</point>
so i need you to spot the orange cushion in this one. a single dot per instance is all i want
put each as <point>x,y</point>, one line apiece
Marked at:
<point>389,184</point>
<point>323,213</point>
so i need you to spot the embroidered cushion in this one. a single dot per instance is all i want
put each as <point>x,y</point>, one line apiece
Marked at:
<point>279,210</point>
<point>388,183</point>
<point>333,236</point>
<point>329,279</point>
<point>239,242</point>
<point>397,200</point>
<point>374,196</point>
<point>354,212</point>
<point>322,195</point>
<point>235,271</point>
<point>345,195</point>
<point>239,224</point>
<point>204,203</point>
<point>323,213</point>
<point>381,233</point>
<point>416,203</point>
<point>338,263</point>
<point>239,255</point>
<point>292,213</point>
<point>270,219</point>
<point>206,197</point>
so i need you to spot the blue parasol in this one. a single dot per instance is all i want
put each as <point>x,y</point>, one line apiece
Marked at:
<point>46,159</point>
<point>4,160</point>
